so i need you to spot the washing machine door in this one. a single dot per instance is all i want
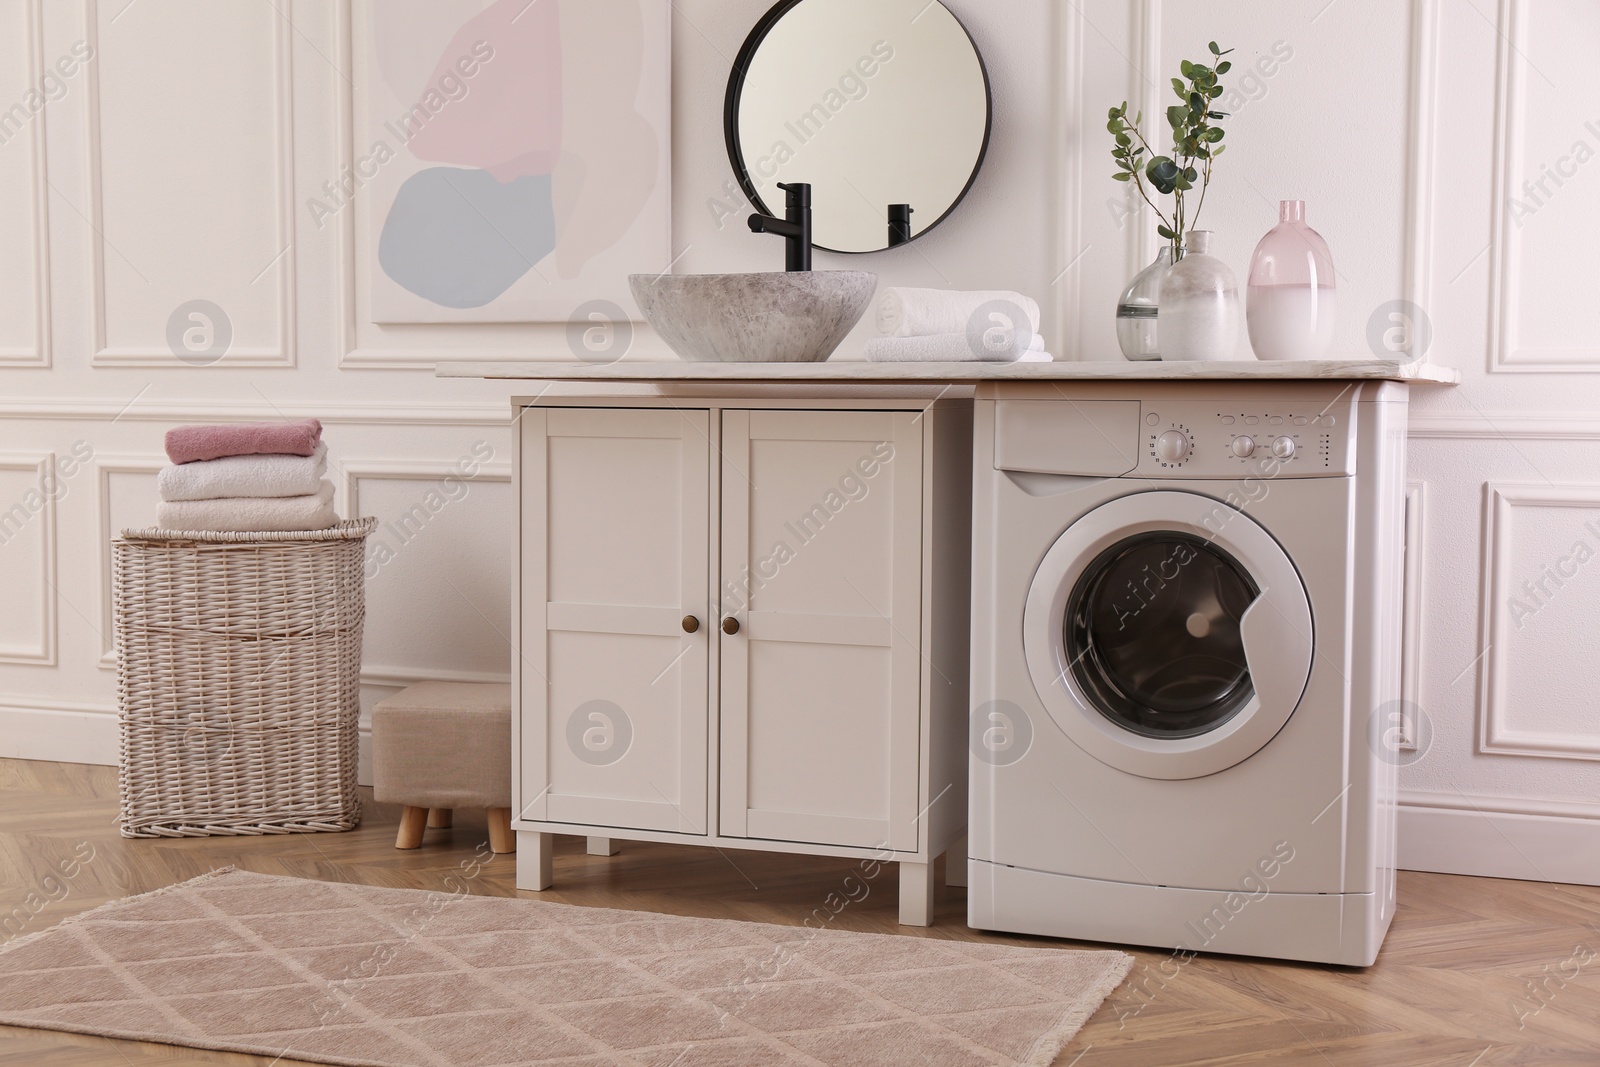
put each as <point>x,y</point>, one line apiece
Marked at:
<point>1168,635</point>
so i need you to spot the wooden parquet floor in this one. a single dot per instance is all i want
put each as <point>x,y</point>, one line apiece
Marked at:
<point>1476,972</point>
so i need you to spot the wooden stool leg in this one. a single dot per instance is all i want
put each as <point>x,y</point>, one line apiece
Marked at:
<point>501,839</point>
<point>413,821</point>
<point>440,818</point>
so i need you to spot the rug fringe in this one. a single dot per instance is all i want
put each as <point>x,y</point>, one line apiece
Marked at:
<point>1049,1045</point>
<point>84,916</point>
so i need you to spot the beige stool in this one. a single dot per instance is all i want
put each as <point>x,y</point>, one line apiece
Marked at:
<point>438,746</point>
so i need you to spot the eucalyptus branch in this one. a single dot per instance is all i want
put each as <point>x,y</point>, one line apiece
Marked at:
<point>1195,137</point>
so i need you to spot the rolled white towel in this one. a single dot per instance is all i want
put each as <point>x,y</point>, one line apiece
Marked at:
<point>244,476</point>
<point>313,511</point>
<point>924,312</point>
<point>949,348</point>
<point>1036,357</point>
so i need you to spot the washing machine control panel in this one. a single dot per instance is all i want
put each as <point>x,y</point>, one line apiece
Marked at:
<point>1211,441</point>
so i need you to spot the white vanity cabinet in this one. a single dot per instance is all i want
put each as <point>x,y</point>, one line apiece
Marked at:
<point>743,622</point>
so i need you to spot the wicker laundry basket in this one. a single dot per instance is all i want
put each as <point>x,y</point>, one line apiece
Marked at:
<point>238,678</point>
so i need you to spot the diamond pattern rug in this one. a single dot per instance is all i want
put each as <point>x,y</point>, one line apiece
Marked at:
<point>350,974</point>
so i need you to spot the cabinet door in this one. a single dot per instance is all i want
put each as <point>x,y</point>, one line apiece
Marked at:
<point>616,552</point>
<point>821,568</point>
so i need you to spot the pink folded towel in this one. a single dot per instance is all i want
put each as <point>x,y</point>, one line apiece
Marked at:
<point>187,444</point>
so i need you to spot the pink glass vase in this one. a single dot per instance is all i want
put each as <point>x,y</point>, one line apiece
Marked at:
<point>1289,304</point>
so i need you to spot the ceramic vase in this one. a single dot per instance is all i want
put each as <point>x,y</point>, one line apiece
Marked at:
<point>1290,299</point>
<point>1136,311</point>
<point>1200,307</point>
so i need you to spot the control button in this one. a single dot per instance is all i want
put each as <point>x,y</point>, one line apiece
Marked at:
<point>1152,419</point>
<point>1227,420</point>
<point>1283,448</point>
<point>1244,447</point>
<point>1300,420</point>
<point>1172,447</point>
<point>1276,420</point>
<point>1327,420</point>
<point>1251,420</point>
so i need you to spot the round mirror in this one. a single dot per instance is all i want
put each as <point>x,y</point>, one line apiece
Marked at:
<point>883,107</point>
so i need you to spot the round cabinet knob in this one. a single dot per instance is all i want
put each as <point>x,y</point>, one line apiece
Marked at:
<point>1173,446</point>
<point>1244,447</point>
<point>730,625</point>
<point>1283,448</point>
<point>690,624</point>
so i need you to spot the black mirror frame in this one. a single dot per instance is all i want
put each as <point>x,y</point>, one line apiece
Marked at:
<point>730,121</point>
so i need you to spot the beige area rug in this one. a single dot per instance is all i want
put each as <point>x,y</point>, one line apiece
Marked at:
<point>352,974</point>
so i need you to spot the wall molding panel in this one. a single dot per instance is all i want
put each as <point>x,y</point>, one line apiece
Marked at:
<point>39,354</point>
<point>105,467</point>
<point>1496,735</point>
<point>351,474</point>
<point>1506,354</point>
<point>42,466</point>
<point>283,355</point>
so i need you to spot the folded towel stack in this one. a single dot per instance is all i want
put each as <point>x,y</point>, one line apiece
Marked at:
<point>253,478</point>
<point>939,326</point>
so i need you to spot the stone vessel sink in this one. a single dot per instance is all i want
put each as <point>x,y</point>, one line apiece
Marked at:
<point>755,318</point>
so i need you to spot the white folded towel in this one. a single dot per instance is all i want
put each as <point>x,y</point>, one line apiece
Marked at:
<point>236,476</point>
<point>1037,357</point>
<point>996,347</point>
<point>313,511</point>
<point>924,312</point>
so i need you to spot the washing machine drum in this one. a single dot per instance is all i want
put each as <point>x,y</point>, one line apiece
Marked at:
<point>1168,635</point>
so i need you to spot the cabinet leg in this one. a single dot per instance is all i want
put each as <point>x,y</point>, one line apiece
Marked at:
<point>534,853</point>
<point>602,846</point>
<point>441,818</point>
<point>916,894</point>
<point>955,863</point>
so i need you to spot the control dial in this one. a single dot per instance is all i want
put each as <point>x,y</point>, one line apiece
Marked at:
<point>1283,447</point>
<point>1173,446</point>
<point>1244,447</point>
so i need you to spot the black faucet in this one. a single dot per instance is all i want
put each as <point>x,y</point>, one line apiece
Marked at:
<point>899,224</point>
<point>795,229</point>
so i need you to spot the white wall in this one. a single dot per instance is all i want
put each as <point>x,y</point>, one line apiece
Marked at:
<point>177,164</point>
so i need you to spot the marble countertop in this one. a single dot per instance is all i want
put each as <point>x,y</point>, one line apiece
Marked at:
<point>928,373</point>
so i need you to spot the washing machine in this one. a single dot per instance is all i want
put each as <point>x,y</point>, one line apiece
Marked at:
<point>1187,625</point>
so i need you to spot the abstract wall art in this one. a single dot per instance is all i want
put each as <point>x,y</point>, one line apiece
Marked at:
<point>513,155</point>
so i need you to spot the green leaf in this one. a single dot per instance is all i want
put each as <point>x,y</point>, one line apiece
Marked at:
<point>1187,68</point>
<point>1214,134</point>
<point>1163,173</point>
<point>1216,91</point>
<point>1190,174</point>
<point>1217,151</point>
<point>1179,88</point>
<point>1177,116</point>
<point>1124,176</point>
<point>1196,103</point>
<point>1216,114</point>
<point>1165,232</point>
<point>1124,140</point>
<point>1224,67</point>
<point>1215,50</point>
